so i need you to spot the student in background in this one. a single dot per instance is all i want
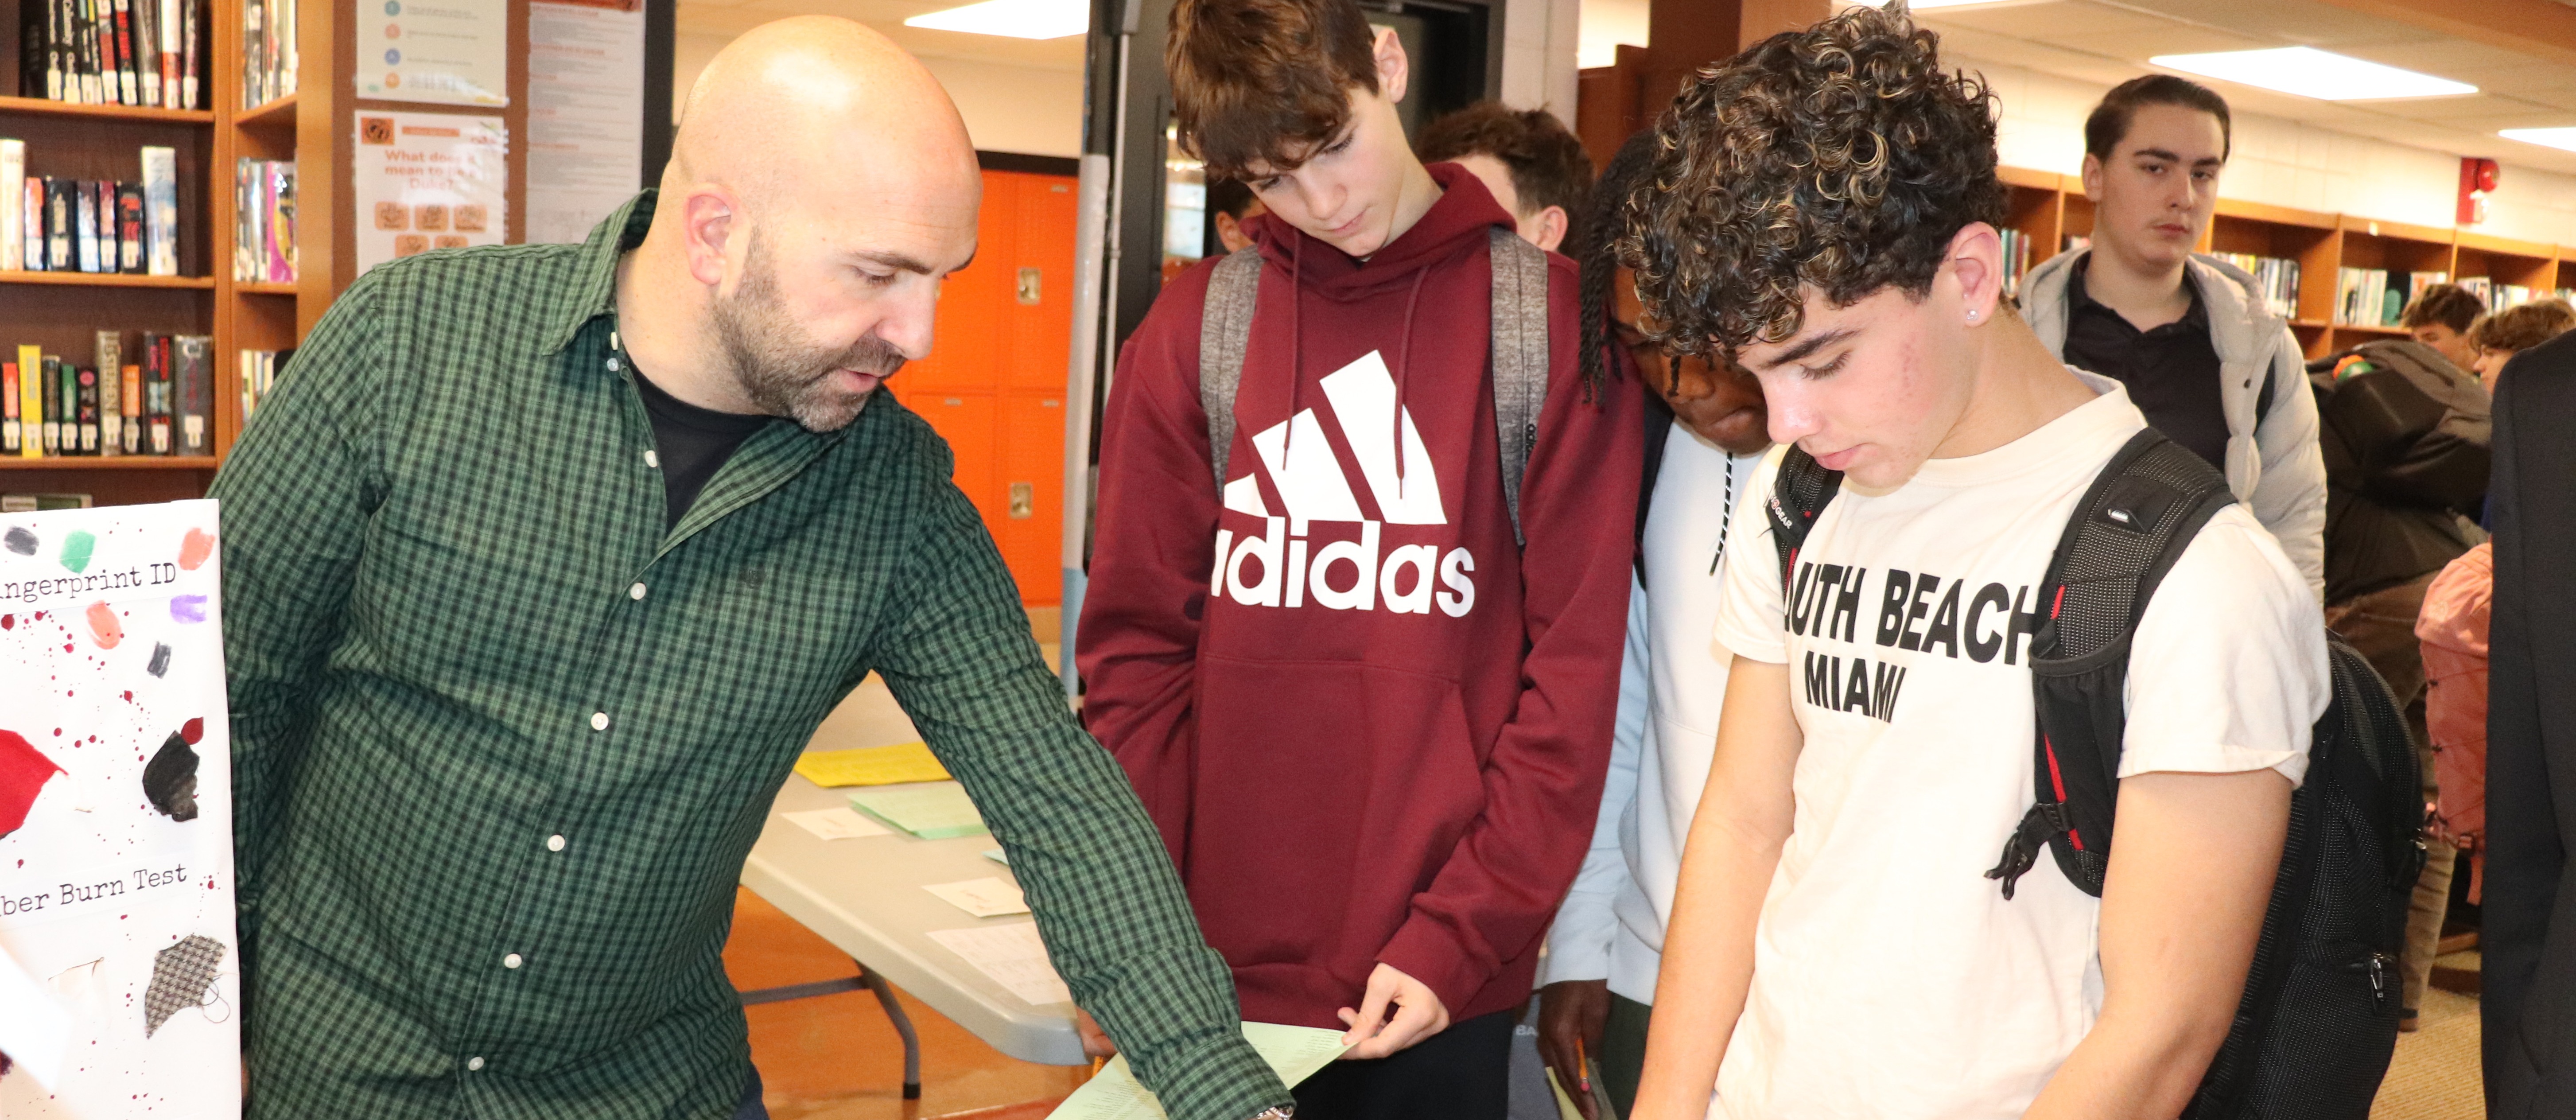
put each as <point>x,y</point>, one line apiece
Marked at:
<point>1705,435</point>
<point>1837,946</point>
<point>2187,335</point>
<point>1526,158</point>
<point>1371,722</point>
<point>2498,337</point>
<point>2529,1008</point>
<point>2454,631</point>
<point>2441,317</point>
<point>1229,205</point>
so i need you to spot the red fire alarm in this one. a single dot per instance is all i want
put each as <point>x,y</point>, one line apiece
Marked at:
<point>2477,181</point>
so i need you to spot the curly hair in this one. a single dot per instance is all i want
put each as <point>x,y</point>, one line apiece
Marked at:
<point>1265,81</point>
<point>1841,158</point>
<point>2523,325</point>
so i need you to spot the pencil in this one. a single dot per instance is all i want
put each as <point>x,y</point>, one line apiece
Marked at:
<point>1582,1068</point>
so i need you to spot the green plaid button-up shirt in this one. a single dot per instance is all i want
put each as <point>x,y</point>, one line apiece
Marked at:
<point>502,742</point>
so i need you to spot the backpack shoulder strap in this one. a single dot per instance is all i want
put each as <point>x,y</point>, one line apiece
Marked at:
<point>1520,358</point>
<point>2128,530</point>
<point>1799,493</point>
<point>1225,328</point>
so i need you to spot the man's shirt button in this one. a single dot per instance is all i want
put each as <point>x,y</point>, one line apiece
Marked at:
<point>554,843</point>
<point>513,960</point>
<point>635,592</point>
<point>475,1062</point>
<point>652,459</point>
<point>599,721</point>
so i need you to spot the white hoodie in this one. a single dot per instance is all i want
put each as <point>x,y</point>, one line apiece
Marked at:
<point>1672,684</point>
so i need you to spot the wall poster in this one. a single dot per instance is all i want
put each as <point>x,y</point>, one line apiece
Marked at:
<point>116,869</point>
<point>448,52</point>
<point>585,124</point>
<point>429,181</point>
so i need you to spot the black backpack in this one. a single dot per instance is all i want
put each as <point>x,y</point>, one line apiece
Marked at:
<point>2313,1034</point>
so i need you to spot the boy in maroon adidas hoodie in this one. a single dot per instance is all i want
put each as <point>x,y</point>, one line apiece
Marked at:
<point>1374,730</point>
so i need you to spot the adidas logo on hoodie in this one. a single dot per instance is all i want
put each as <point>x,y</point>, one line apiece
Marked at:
<point>1275,569</point>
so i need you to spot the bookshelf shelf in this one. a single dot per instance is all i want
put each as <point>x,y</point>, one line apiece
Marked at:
<point>106,280</point>
<point>40,107</point>
<point>275,114</point>
<point>2363,328</point>
<point>266,288</point>
<point>111,463</point>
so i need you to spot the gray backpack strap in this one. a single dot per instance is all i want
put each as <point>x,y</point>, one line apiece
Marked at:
<point>1225,327</point>
<point>1520,358</point>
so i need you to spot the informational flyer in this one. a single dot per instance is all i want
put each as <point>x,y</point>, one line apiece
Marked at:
<point>429,181</point>
<point>448,52</point>
<point>585,115</point>
<point>116,868</point>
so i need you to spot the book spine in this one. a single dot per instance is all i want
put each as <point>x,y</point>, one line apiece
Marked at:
<point>31,403</point>
<point>252,42</point>
<point>58,224</point>
<point>62,71</point>
<point>111,396</point>
<point>9,408</point>
<point>195,375</point>
<point>121,33</point>
<point>281,221</point>
<point>84,225</point>
<point>192,47</point>
<point>161,210</point>
<point>129,227</point>
<point>32,45</point>
<point>172,52</point>
<point>31,230</point>
<point>147,50</point>
<point>98,72</point>
<point>245,220</point>
<point>13,197</point>
<point>85,407</point>
<point>129,402</point>
<point>53,415</point>
<point>156,393</point>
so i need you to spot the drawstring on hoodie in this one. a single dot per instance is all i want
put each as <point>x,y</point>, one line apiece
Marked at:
<point>1296,342</point>
<point>1404,366</point>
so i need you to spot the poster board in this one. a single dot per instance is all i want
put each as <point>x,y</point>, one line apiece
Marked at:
<point>427,181</point>
<point>585,139</point>
<point>116,870</point>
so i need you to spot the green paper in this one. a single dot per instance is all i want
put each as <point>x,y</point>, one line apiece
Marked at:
<point>935,811</point>
<point>1294,1053</point>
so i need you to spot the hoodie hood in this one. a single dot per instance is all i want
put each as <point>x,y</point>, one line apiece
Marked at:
<point>1456,221</point>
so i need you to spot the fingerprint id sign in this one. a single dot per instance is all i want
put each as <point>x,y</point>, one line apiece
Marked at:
<point>116,875</point>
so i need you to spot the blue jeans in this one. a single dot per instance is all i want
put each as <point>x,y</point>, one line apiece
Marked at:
<point>751,1108</point>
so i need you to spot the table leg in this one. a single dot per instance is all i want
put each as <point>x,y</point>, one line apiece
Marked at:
<point>902,1026</point>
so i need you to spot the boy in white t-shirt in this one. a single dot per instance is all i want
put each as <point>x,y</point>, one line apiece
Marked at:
<point>1827,218</point>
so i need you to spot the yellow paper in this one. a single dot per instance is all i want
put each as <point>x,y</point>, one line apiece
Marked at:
<point>1294,1053</point>
<point>872,766</point>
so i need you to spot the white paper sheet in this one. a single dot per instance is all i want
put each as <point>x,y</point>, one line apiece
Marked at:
<point>837,824</point>
<point>585,127</point>
<point>1294,1053</point>
<point>988,897</point>
<point>1011,955</point>
<point>451,52</point>
<point>427,181</point>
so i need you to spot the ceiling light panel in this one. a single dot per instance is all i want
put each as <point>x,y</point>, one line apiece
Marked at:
<point>2564,138</point>
<point>2309,72</point>
<point>1019,19</point>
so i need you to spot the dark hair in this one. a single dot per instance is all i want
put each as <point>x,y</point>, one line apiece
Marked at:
<point>1841,157</point>
<point>1548,165</point>
<point>1228,197</point>
<point>2523,325</point>
<point>1264,81</point>
<point>2109,123</point>
<point>1597,250</point>
<point>2447,304</point>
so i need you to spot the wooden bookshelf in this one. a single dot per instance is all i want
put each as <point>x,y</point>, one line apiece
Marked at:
<point>2049,208</point>
<point>61,311</point>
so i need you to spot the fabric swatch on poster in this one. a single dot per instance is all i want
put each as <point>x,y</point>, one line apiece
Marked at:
<point>19,541</point>
<point>188,608</point>
<point>24,770</point>
<point>170,779</point>
<point>180,976</point>
<point>194,548</point>
<point>77,549</point>
<point>160,663</point>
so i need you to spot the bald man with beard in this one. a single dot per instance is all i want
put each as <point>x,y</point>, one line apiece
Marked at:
<point>543,564</point>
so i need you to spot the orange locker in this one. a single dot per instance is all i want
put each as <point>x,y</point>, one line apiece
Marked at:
<point>994,382</point>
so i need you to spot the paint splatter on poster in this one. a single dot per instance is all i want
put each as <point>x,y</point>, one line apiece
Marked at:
<point>116,877</point>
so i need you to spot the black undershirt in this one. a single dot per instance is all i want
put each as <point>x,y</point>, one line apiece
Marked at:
<point>2171,372</point>
<point>692,442</point>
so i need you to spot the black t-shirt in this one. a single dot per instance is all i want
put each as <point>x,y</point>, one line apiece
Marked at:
<point>692,443</point>
<point>2171,372</point>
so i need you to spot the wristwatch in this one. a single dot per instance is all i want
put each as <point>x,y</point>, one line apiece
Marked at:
<point>1283,1112</point>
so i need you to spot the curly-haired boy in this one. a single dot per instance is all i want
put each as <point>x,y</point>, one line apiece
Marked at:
<point>1823,209</point>
<point>1364,685</point>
